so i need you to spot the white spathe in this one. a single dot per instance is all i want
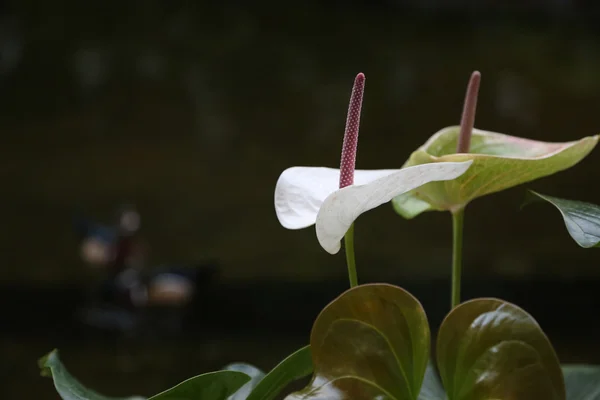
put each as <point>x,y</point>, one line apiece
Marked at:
<point>300,192</point>
<point>308,195</point>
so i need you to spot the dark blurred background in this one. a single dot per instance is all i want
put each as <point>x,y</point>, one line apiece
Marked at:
<point>190,111</point>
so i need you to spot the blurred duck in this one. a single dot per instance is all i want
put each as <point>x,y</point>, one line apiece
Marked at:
<point>129,285</point>
<point>96,241</point>
<point>176,286</point>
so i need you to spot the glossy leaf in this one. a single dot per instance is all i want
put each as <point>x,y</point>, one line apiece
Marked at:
<point>255,374</point>
<point>66,385</point>
<point>372,342</point>
<point>581,219</point>
<point>499,162</point>
<point>217,385</point>
<point>582,382</point>
<point>296,366</point>
<point>432,388</point>
<point>491,349</point>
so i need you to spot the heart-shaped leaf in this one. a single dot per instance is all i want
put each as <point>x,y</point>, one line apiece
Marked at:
<point>491,349</point>
<point>582,382</point>
<point>255,374</point>
<point>372,342</point>
<point>582,219</point>
<point>211,386</point>
<point>432,388</point>
<point>296,366</point>
<point>499,162</point>
<point>66,385</point>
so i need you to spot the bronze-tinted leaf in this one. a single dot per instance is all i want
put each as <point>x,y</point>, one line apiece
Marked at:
<point>491,349</point>
<point>372,342</point>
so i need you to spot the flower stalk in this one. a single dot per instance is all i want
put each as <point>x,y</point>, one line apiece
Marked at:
<point>464,143</point>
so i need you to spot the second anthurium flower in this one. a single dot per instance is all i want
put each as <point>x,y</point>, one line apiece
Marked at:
<point>499,162</point>
<point>333,199</point>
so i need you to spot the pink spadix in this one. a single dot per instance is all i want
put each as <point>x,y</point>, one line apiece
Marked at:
<point>348,162</point>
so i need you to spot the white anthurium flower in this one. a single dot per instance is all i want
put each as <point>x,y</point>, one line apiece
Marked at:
<point>300,192</point>
<point>310,195</point>
<point>333,199</point>
<point>342,207</point>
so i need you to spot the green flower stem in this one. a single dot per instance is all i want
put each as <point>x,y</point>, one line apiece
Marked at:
<point>350,260</point>
<point>467,122</point>
<point>457,241</point>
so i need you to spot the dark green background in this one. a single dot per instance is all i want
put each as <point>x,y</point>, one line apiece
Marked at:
<point>191,111</point>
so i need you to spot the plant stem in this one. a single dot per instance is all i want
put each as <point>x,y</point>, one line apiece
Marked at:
<point>467,122</point>
<point>457,240</point>
<point>349,247</point>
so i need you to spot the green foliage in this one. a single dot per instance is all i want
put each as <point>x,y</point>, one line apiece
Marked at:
<point>581,219</point>
<point>218,385</point>
<point>491,349</point>
<point>371,342</point>
<point>212,386</point>
<point>296,366</point>
<point>499,162</point>
<point>255,374</point>
<point>66,385</point>
<point>266,387</point>
<point>237,381</point>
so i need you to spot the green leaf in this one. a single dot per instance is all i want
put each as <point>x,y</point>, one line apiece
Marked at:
<point>372,342</point>
<point>499,162</point>
<point>217,385</point>
<point>491,349</point>
<point>296,366</point>
<point>255,374</point>
<point>582,382</point>
<point>582,219</point>
<point>212,386</point>
<point>66,385</point>
<point>432,388</point>
<point>267,387</point>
